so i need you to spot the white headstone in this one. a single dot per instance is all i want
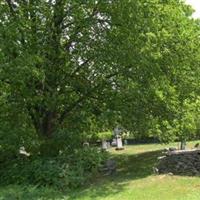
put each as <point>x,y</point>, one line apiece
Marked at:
<point>117,132</point>
<point>119,142</point>
<point>104,144</point>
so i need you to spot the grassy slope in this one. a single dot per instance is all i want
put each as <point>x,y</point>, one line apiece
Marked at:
<point>134,181</point>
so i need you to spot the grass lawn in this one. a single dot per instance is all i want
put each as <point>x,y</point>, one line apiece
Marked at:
<point>134,180</point>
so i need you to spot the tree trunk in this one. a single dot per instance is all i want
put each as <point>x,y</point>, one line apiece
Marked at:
<point>44,124</point>
<point>49,145</point>
<point>48,125</point>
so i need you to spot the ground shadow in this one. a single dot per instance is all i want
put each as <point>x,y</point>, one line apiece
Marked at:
<point>129,167</point>
<point>136,166</point>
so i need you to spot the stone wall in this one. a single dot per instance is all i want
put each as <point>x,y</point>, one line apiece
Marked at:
<point>180,163</point>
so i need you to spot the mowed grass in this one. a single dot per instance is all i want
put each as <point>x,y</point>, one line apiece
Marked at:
<point>134,180</point>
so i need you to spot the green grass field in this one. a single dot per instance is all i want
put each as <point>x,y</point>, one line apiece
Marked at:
<point>134,180</point>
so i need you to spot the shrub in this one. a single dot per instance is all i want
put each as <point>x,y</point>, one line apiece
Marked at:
<point>63,171</point>
<point>104,135</point>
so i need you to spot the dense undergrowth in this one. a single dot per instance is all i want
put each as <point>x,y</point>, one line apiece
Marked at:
<point>67,170</point>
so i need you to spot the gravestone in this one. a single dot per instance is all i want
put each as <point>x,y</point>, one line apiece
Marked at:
<point>119,142</point>
<point>22,151</point>
<point>114,142</point>
<point>117,132</point>
<point>125,142</point>
<point>108,144</point>
<point>109,167</point>
<point>86,144</point>
<point>104,145</point>
<point>183,145</point>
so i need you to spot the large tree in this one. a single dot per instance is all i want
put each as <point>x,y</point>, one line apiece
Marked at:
<point>88,64</point>
<point>160,41</point>
<point>54,59</point>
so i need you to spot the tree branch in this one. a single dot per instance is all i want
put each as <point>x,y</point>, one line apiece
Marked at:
<point>86,96</point>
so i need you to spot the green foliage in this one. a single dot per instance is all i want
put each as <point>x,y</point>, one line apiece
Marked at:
<point>132,182</point>
<point>106,135</point>
<point>64,171</point>
<point>159,52</point>
<point>69,69</point>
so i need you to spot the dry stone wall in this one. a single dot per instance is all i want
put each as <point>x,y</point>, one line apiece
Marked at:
<point>180,163</point>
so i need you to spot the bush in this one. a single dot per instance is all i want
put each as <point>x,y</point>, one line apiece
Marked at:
<point>63,171</point>
<point>106,135</point>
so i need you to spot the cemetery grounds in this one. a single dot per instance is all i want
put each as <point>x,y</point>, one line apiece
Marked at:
<point>134,180</point>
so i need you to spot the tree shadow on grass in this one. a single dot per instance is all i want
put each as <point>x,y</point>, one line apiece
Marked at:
<point>137,166</point>
<point>130,167</point>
